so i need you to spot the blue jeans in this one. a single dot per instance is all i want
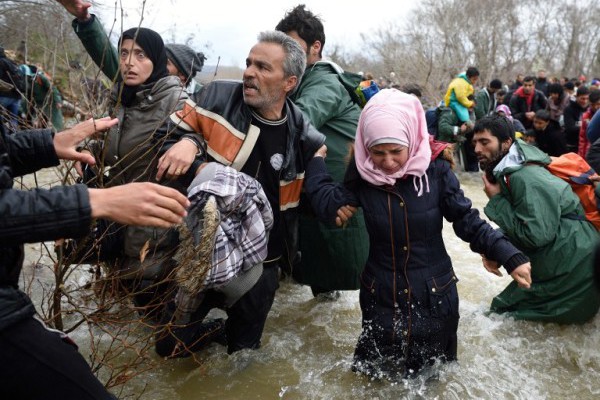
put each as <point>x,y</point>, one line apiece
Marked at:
<point>12,105</point>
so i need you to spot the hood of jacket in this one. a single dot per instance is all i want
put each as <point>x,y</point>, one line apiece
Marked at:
<point>519,154</point>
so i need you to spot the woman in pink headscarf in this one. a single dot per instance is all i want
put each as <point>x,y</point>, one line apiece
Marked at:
<point>408,293</point>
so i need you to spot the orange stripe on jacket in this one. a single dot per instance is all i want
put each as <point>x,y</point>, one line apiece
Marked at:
<point>219,138</point>
<point>289,192</point>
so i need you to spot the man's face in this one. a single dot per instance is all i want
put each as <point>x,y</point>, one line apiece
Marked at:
<point>595,106</point>
<point>520,78</point>
<point>312,53</point>
<point>583,100</point>
<point>542,74</point>
<point>528,87</point>
<point>488,148</point>
<point>474,79</point>
<point>265,86</point>
<point>540,124</point>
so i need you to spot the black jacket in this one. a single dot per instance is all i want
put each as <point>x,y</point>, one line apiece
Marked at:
<point>518,107</point>
<point>31,216</point>
<point>551,140</point>
<point>572,115</point>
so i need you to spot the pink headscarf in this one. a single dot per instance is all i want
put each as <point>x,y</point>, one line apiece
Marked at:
<point>392,116</point>
<point>504,108</point>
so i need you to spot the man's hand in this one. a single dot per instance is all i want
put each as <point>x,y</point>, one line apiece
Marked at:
<point>490,189</point>
<point>139,203</point>
<point>77,8</point>
<point>322,152</point>
<point>344,214</point>
<point>177,160</point>
<point>529,115</point>
<point>66,142</point>
<point>522,275</point>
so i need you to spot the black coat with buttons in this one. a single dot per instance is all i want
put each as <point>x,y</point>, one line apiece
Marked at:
<point>408,280</point>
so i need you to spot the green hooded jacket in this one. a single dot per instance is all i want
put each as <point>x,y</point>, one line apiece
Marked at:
<point>332,257</point>
<point>543,217</point>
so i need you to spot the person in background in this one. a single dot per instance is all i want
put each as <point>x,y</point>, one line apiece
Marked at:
<point>37,362</point>
<point>541,215</point>
<point>525,101</point>
<point>572,117</point>
<point>459,96</point>
<point>403,181</point>
<point>558,100</point>
<point>485,99</point>
<point>587,116</point>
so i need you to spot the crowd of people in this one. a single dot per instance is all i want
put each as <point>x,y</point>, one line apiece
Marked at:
<point>273,192</point>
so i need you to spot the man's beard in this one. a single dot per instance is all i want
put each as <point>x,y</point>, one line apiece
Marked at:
<point>488,166</point>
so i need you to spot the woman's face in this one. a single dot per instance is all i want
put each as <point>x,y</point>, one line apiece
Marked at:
<point>388,157</point>
<point>136,67</point>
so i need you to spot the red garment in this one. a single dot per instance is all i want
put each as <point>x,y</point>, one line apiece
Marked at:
<point>528,97</point>
<point>584,143</point>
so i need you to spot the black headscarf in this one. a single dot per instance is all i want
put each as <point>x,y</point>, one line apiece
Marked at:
<point>154,47</point>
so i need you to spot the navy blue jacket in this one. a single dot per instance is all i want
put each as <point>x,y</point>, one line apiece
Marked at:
<point>405,231</point>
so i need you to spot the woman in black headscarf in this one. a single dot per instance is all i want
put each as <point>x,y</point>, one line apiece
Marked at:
<point>142,100</point>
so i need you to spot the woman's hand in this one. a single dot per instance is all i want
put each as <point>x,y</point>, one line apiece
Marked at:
<point>177,160</point>
<point>344,214</point>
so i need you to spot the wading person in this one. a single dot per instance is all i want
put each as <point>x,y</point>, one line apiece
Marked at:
<point>542,216</point>
<point>408,294</point>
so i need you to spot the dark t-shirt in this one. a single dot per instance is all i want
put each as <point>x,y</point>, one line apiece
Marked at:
<point>264,164</point>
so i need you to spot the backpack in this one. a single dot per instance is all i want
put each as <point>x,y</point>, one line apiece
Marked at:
<point>574,170</point>
<point>359,90</point>
<point>431,116</point>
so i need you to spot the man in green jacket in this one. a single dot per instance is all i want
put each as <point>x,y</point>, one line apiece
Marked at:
<point>332,258</point>
<point>452,130</point>
<point>544,218</point>
<point>485,99</point>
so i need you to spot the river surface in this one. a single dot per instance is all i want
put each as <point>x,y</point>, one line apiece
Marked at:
<point>308,345</point>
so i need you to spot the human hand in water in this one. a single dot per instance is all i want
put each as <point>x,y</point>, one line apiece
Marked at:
<point>522,275</point>
<point>490,189</point>
<point>344,214</point>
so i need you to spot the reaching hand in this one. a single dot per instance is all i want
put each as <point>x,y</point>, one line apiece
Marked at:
<point>177,160</point>
<point>139,203</point>
<point>77,8</point>
<point>522,275</point>
<point>66,142</point>
<point>344,214</point>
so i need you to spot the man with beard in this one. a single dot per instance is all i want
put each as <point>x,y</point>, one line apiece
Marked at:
<point>254,127</point>
<point>544,218</point>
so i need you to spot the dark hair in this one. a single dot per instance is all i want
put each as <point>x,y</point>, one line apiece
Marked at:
<point>499,126</point>
<point>530,78</point>
<point>496,84</point>
<point>501,92</point>
<point>472,71</point>
<point>582,90</point>
<point>412,89</point>
<point>569,85</point>
<point>555,88</point>
<point>308,26</point>
<point>544,115</point>
<point>594,95</point>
